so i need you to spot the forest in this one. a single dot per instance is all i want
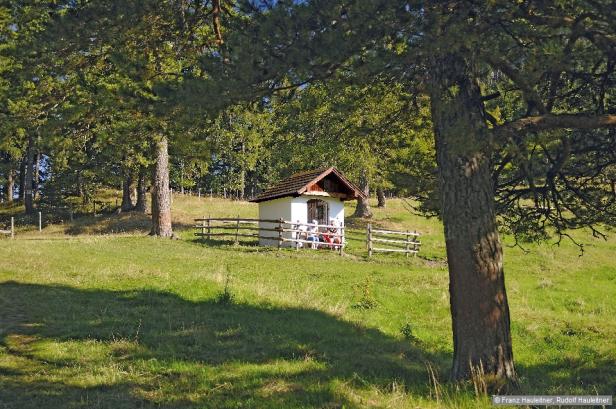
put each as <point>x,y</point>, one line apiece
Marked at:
<point>496,119</point>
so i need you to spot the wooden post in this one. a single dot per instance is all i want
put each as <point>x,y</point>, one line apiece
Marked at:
<point>199,193</point>
<point>369,239</point>
<point>211,193</point>
<point>40,215</point>
<point>203,229</point>
<point>209,228</point>
<point>415,241</point>
<point>280,233</point>
<point>237,230</point>
<point>12,227</point>
<point>70,214</point>
<point>408,244</point>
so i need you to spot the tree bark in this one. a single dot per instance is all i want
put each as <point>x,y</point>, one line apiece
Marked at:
<point>161,197</point>
<point>363,206</point>
<point>242,173</point>
<point>22,178</point>
<point>127,190</point>
<point>10,185</point>
<point>380,196</point>
<point>182,178</point>
<point>37,174</point>
<point>28,182</point>
<point>141,204</point>
<point>479,306</point>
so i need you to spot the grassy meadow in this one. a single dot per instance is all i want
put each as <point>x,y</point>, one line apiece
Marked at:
<point>96,314</point>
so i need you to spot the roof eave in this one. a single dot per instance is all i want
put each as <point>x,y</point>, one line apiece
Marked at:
<point>267,199</point>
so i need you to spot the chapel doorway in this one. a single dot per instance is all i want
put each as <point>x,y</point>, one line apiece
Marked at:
<point>318,210</point>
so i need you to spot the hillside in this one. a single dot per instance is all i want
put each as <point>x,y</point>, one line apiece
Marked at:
<point>97,314</point>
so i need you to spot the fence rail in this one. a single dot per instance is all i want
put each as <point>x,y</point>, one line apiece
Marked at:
<point>304,234</point>
<point>407,242</point>
<point>296,233</point>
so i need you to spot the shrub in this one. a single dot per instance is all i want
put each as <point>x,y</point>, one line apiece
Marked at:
<point>367,300</point>
<point>407,331</point>
<point>225,297</point>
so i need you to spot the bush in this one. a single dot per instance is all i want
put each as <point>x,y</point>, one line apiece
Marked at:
<point>226,297</point>
<point>367,300</point>
<point>407,331</point>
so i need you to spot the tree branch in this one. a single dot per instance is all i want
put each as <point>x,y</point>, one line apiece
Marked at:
<point>549,121</point>
<point>518,78</point>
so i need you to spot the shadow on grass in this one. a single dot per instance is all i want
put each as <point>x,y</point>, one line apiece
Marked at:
<point>112,223</point>
<point>230,242</point>
<point>67,347</point>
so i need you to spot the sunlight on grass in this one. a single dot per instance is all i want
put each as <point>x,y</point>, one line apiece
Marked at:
<point>122,321</point>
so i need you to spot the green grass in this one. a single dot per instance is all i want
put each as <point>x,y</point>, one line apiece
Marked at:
<point>93,318</point>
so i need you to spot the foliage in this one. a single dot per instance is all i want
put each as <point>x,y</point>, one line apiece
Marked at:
<point>225,297</point>
<point>367,301</point>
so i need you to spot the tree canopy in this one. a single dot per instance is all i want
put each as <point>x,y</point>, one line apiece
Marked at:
<point>498,116</point>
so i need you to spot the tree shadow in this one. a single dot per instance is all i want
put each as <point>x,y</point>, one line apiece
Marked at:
<point>230,242</point>
<point>113,223</point>
<point>567,375</point>
<point>67,347</point>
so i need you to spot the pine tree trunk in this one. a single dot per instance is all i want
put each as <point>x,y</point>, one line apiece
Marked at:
<point>380,196</point>
<point>10,185</point>
<point>28,196</point>
<point>242,173</point>
<point>363,206</point>
<point>127,190</point>
<point>37,174</point>
<point>161,196</point>
<point>479,307</point>
<point>141,204</point>
<point>22,178</point>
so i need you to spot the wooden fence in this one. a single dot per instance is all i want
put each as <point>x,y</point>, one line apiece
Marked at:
<point>402,241</point>
<point>236,228</point>
<point>12,231</point>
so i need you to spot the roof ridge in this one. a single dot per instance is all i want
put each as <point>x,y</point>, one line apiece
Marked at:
<point>297,184</point>
<point>307,172</point>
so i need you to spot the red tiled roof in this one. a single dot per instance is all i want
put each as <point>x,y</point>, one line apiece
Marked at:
<point>298,183</point>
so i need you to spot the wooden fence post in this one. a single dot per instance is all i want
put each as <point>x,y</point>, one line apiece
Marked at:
<point>203,229</point>
<point>40,215</point>
<point>209,228</point>
<point>415,242</point>
<point>12,227</point>
<point>237,230</point>
<point>280,233</point>
<point>369,239</point>
<point>408,244</point>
